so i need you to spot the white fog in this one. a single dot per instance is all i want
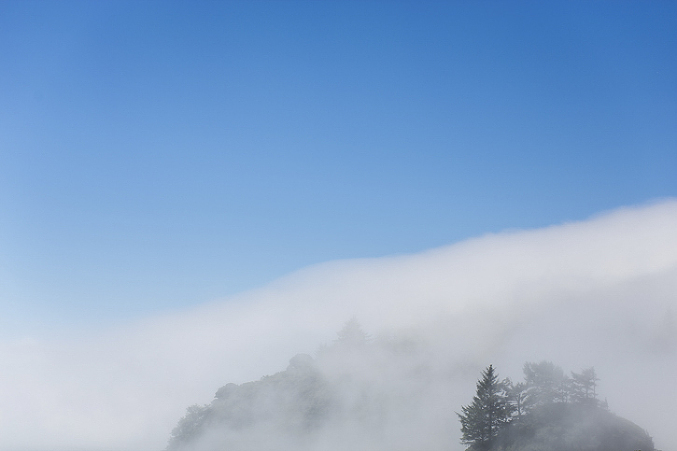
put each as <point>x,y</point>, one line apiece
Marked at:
<point>601,292</point>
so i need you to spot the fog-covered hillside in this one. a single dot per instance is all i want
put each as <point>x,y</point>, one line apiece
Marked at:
<point>357,393</point>
<point>548,411</point>
<point>386,394</point>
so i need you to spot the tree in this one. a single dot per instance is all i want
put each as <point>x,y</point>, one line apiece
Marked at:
<point>482,420</point>
<point>517,393</point>
<point>585,386</point>
<point>190,426</point>
<point>352,335</point>
<point>546,384</point>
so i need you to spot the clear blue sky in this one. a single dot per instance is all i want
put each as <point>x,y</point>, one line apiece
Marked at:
<point>156,155</point>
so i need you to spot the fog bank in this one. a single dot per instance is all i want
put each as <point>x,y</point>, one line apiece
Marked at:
<point>601,292</point>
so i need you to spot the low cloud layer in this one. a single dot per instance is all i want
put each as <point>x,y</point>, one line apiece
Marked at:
<point>601,293</point>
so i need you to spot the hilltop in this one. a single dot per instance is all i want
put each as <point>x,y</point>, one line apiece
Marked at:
<point>373,395</point>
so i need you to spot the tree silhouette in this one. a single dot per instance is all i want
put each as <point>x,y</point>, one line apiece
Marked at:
<point>585,386</point>
<point>352,334</point>
<point>488,413</point>
<point>546,384</point>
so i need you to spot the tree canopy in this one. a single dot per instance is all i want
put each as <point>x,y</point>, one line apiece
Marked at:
<point>489,411</point>
<point>549,411</point>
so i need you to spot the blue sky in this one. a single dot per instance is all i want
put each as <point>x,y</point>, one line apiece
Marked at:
<point>158,155</point>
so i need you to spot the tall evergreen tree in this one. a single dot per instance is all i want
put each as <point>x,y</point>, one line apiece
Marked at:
<point>489,411</point>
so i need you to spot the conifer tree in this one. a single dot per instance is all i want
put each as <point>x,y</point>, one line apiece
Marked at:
<point>489,411</point>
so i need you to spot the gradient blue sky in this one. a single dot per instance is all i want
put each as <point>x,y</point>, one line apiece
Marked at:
<point>157,155</point>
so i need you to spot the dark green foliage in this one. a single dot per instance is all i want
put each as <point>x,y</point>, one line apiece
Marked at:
<point>552,412</point>
<point>482,420</point>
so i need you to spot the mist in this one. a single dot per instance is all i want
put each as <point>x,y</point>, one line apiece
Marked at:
<point>601,292</point>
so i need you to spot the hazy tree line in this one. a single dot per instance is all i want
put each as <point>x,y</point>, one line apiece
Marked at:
<point>548,410</point>
<point>287,405</point>
<point>386,394</point>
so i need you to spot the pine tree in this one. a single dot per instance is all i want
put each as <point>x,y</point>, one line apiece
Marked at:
<point>489,411</point>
